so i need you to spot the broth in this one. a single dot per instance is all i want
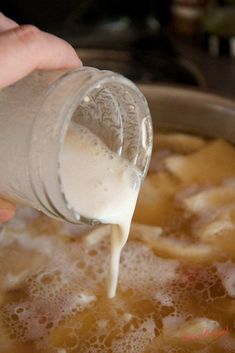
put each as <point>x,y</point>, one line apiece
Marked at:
<point>176,290</point>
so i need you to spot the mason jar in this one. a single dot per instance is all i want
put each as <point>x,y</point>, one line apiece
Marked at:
<point>35,114</point>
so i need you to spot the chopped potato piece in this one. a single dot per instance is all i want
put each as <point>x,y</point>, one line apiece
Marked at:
<point>164,181</point>
<point>185,251</point>
<point>167,144</point>
<point>172,247</point>
<point>198,331</point>
<point>210,199</point>
<point>212,164</point>
<point>155,199</point>
<point>216,228</point>
<point>175,164</point>
<point>196,326</point>
<point>192,334</point>
<point>180,143</point>
<point>220,232</point>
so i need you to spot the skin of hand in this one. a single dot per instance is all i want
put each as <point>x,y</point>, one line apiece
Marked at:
<point>24,49</point>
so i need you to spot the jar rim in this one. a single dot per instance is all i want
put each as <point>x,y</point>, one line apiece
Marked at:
<point>89,79</point>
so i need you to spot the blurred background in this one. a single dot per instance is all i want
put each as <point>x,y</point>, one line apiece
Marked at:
<point>176,42</point>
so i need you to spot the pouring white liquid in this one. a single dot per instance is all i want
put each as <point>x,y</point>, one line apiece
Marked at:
<point>101,185</point>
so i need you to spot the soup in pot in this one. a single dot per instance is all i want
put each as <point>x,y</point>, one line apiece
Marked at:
<point>176,287</point>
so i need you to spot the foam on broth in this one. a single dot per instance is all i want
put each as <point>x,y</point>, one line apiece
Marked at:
<point>176,284</point>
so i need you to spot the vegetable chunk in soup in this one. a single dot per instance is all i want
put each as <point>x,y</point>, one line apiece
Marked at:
<point>176,290</point>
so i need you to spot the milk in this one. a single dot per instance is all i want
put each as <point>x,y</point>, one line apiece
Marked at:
<point>99,184</point>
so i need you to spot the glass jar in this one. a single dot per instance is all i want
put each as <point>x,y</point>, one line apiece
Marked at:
<point>35,115</point>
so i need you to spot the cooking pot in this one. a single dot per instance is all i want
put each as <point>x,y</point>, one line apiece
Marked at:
<point>192,111</point>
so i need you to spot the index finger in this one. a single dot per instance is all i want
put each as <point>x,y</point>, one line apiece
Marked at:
<point>6,23</point>
<point>26,48</point>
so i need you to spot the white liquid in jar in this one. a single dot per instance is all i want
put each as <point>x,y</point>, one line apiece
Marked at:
<point>101,185</point>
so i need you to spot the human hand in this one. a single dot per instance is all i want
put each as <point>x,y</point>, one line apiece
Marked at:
<point>24,49</point>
